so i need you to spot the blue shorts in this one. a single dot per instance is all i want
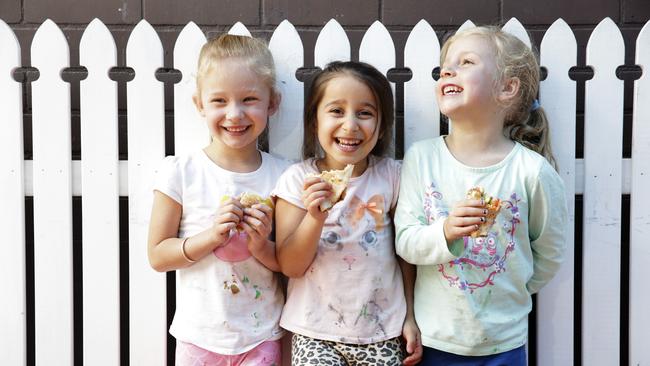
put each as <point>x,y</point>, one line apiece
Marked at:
<point>433,357</point>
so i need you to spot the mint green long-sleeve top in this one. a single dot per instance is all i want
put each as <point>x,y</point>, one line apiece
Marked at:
<point>472,296</point>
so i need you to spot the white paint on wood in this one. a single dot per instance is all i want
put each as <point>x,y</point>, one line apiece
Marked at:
<point>146,144</point>
<point>640,208</point>
<point>603,139</point>
<point>421,112</point>
<point>190,130</point>
<point>12,197</point>
<point>558,99</point>
<point>239,29</point>
<point>52,199</point>
<point>332,44</point>
<point>286,127</point>
<point>100,201</point>
<point>377,49</point>
<point>467,24</point>
<point>514,27</point>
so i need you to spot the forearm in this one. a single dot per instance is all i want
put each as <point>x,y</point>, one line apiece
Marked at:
<point>425,244</point>
<point>168,254</point>
<point>408,276</point>
<point>297,251</point>
<point>266,256</point>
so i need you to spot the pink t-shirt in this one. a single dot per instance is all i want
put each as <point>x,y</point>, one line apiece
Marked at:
<point>353,290</point>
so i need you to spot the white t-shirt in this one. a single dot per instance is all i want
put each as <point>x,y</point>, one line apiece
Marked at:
<point>227,302</point>
<point>353,290</point>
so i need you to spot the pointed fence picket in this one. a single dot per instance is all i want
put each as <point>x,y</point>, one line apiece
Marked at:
<point>285,127</point>
<point>146,148</point>
<point>190,131</point>
<point>603,176</point>
<point>52,198</point>
<point>555,310</point>
<point>100,198</point>
<point>421,112</point>
<point>603,143</point>
<point>12,218</point>
<point>639,209</point>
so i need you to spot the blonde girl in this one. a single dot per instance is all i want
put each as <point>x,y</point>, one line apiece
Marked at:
<point>479,259</point>
<point>348,302</point>
<point>229,299</point>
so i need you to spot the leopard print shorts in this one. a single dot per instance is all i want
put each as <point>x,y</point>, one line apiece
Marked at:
<point>310,351</point>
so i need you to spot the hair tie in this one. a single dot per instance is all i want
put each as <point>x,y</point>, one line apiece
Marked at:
<point>535,106</point>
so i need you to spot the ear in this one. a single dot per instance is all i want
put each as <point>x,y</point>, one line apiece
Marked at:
<point>198,103</point>
<point>509,89</point>
<point>274,102</point>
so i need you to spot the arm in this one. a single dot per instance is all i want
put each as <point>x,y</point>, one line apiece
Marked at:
<point>410,330</point>
<point>547,227</point>
<point>417,241</point>
<point>164,248</point>
<point>298,230</point>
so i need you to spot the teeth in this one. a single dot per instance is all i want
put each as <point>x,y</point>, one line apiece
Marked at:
<point>236,129</point>
<point>451,89</point>
<point>349,141</point>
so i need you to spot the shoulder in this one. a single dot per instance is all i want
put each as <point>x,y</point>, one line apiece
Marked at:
<point>535,165</point>
<point>423,148</point>
<point>276,163</point>
<point>383,165</point>
<point>178,163</point>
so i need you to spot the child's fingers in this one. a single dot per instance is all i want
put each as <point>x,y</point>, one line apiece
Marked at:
<point>264,208</point>
<point>257,225</point>
<point>228,217</point>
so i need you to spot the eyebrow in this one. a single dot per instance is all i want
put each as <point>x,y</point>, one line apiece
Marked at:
<point>339,101</point>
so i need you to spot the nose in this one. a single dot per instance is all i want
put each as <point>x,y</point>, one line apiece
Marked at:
<point>350,123</point>
<point>446,71</point>
<point>234,112</point>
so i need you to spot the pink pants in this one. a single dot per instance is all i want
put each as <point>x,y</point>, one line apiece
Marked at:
<point>268,353</point>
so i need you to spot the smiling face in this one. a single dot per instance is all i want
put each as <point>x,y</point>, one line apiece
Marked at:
<point>347,123</point>
<point>235,103</point>
<point>468,78</point>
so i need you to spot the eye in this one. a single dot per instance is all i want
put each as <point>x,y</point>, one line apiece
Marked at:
<point>366,114</point>
<point>336,111</point>
<point>491,241</point>
<point>331,238</point>
<point>466,61</point>
<point>251,99</point>
<point>218,100</point>
<point>369,237</point>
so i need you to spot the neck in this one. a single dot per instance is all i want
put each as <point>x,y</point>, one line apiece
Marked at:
<point>478,144</point>
<point>243,160</point>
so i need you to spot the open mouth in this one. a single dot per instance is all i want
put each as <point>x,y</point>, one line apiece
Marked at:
<point>451,90</point>
<point>235,129</point>
<point>347,144</point>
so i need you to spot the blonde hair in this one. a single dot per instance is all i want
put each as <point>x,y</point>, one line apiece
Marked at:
<point>524,123</point>
<point>254,52</point>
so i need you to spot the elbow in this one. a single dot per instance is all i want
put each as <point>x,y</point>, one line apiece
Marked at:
<point>157,264</point>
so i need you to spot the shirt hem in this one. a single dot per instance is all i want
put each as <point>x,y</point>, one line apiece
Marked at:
<point>233,351</point>
<point>335,338</point>
<point>483,350</point>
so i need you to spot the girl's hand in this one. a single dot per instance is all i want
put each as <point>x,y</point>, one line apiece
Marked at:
<point>257,223</point>
<point>229,215</point>
<point>464,218</point>
<point>411,334</point>
<point>315,191</point>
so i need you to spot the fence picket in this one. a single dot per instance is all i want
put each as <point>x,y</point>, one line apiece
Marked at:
<point>639,209</point>
<point>286,128</point>
<point>190,131</point>
<point>377,49</point>
<point>146,144</point>
<point>12,193</point>
<point>332,44</point>
<point>421,112</point>
<point>467,24</point>
<point>558,53</point>
<point>52,198</point>
<point>602,198</point>
<point>239,29</point>
<point>100,203</point>
<point>514,27</point>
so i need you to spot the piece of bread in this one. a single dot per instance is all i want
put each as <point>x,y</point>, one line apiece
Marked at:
<point>339,180</point>
<point>248,199</point>
<point>492,204</point>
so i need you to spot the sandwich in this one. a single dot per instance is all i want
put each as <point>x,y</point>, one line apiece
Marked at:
<point>492,204</point>
<point>248,200</point>
<point>339,180</point>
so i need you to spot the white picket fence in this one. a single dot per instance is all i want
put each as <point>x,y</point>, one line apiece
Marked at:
<point>52,178</point>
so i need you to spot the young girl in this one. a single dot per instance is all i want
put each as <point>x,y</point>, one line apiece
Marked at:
<point>479,258</point>
<point>346,296</point>
<point>228,298</point>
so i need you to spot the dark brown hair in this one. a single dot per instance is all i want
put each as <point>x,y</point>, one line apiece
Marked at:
<point>373,79</point>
